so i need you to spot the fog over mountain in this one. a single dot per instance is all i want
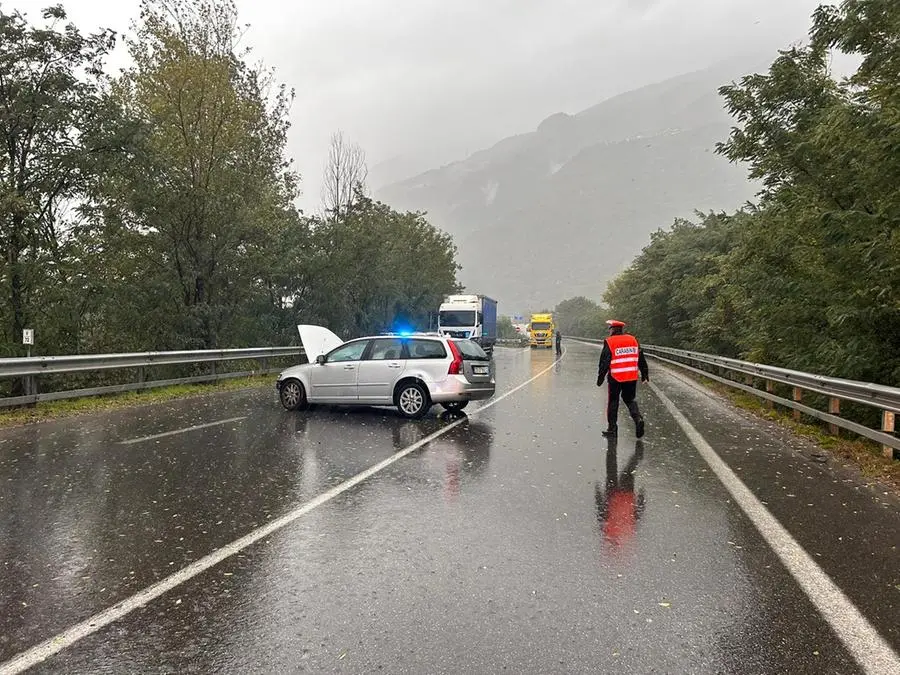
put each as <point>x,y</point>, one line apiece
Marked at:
<point>559,211</point>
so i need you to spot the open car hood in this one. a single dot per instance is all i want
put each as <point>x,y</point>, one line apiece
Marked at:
<point>317,340</point>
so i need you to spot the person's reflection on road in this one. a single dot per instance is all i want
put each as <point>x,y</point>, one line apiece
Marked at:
<point>618,506</point>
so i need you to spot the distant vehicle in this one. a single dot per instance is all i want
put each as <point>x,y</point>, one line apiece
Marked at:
<point>542,330</point>
<point>470,316</point>
<point>411,372</point>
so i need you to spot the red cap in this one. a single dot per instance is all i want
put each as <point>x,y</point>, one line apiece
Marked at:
<point>615,323</point>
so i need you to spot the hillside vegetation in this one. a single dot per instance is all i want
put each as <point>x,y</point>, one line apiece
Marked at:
<point>810,277</point>
<point>155,210</point>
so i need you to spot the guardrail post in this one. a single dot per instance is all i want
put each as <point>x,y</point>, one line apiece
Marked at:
<point>31,387</point>
<point>770,388</point>
<point>834,408</point>
<point>798,397</point>
<point>887,426</point>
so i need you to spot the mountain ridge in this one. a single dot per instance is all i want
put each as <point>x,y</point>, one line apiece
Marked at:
<point>596,182</point>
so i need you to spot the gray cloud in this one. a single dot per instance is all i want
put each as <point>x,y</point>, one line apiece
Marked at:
<point>440,79</point>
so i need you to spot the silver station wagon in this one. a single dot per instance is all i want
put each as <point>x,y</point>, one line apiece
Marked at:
<point>411,372</point>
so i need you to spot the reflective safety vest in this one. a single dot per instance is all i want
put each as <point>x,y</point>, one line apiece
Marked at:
<point>625,354</point>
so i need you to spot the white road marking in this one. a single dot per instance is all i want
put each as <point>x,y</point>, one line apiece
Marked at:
<point>860,637</point>
<point>44,650</point>
<point>181,431</point>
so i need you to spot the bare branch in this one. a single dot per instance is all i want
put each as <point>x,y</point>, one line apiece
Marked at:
<point>345,176</point>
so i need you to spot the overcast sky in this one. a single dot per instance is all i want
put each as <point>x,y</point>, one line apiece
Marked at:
<point>438,79</point>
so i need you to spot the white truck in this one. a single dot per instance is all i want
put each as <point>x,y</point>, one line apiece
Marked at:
<point>469,316</point>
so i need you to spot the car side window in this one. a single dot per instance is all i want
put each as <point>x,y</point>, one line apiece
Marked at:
<point>386,349</point>
<point>348,352</point>
<point>426,349</point>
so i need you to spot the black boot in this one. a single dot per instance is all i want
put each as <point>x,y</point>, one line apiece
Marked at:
<point>612,432</point>
<point>637,417</point>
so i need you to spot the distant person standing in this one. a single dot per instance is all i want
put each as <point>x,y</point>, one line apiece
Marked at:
<point>621,363</point>
<point>558,342</point>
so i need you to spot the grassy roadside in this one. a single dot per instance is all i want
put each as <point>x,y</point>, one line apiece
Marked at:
<point>861,454</point>
<point>79,406</point>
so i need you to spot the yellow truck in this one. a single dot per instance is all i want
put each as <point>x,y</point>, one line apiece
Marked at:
<point>541,330</point>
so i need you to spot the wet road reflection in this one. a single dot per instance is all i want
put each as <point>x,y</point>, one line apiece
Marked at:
<point>86,521</point>
<point>476,553</point>
<point>619,507</point>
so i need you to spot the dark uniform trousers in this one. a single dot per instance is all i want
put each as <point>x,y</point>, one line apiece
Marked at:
<point>628,392</point>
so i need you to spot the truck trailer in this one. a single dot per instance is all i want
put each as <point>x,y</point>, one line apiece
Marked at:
<point>470,316</point>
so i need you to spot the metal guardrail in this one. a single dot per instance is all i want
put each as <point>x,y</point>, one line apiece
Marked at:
<point>884,398</point>
<point>512,342</point>
<point>32,367</point>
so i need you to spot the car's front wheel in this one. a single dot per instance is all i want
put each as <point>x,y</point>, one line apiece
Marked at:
<point>412,400</point>
<point>293,395</point>
<point>455,406</point>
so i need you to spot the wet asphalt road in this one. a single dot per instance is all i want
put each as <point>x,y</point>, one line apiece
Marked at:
<point>518,541</point>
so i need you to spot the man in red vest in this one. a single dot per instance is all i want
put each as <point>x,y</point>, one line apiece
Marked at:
<point>621,363</point>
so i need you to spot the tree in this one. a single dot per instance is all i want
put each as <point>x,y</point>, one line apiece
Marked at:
<point>51,93</point>
<point>376,266</point>
<point>344,180</point>
<point>826,152</point>
<point>673,288</point>
<point>580,317</point>
<point>208,188</point>
<point>810,277</point>
<point>505,329</point>
<point>155,211</point>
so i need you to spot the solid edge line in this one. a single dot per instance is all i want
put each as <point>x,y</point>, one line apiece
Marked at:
<point>871,651</point>
<point>181,431</point>
<point>52,646</point>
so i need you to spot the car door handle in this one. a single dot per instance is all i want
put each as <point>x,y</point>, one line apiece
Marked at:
<point>349,367</point>
<point>393,365</point>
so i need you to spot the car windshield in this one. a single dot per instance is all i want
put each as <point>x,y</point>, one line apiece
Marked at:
<point>540,326</point>
<point>457,319</point>
<point>471,351</point>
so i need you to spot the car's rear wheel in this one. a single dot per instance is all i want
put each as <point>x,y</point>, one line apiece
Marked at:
<point>293,395</point>
<point>455,406</point>
<point>412,400</point>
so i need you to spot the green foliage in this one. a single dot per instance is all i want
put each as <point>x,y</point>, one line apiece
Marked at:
<point>672,293</point>
<point>156,210</point>
<point>505,328</point>
<point>207,187</point>
<point>373,267</point>
<point>810,278</point>
<point>581,317</point>
<point>50,97</point>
